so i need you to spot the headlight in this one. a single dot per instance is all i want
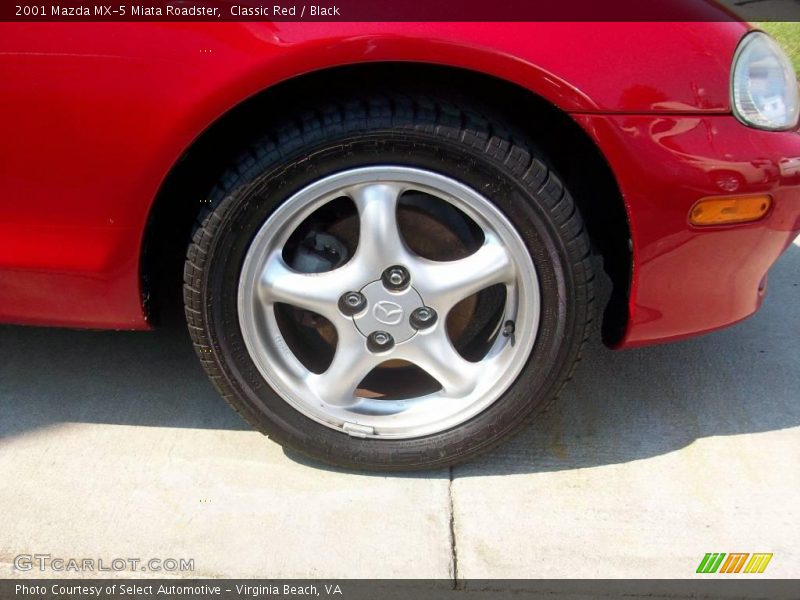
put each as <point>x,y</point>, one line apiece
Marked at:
<point>764,86</point>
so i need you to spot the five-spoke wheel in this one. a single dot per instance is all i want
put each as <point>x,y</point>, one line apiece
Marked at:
<point>384,302</point>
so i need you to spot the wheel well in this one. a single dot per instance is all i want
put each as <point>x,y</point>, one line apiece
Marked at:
<point>568,148</point>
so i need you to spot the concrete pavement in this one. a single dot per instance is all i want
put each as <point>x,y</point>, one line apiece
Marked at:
<point>115,445</point>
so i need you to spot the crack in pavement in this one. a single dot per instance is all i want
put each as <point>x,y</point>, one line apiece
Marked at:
<point>453,546</point>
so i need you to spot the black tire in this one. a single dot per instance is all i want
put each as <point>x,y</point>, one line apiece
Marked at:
<point>420,132</point>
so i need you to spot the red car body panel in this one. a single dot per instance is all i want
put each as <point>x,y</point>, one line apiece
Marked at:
<point>95,115</point>
<point>688,280</point>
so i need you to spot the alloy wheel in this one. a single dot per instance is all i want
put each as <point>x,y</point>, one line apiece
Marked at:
<point>389,306</point>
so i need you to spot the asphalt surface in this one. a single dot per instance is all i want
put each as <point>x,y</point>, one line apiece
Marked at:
<point>115,445</point>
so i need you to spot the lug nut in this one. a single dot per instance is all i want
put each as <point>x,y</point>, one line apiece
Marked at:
<point>396,278</point>
<point>423,317</point>
<point>380,341</point>
<point>352,303</point>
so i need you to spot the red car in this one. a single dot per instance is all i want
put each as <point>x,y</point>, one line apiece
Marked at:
<point>394,239</point>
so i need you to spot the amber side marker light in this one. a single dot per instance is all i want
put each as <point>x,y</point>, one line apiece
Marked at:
<point>729,210</point>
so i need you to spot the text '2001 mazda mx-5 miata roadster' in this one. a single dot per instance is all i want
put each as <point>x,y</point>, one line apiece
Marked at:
<point>394,238</point>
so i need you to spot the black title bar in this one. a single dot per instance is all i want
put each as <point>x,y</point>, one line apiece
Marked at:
<point>400,10</point>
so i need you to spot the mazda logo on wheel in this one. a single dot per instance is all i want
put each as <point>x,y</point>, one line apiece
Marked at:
<point>388,313</point>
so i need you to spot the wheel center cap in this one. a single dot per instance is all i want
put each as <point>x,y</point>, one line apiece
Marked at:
<point>388,311</point>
